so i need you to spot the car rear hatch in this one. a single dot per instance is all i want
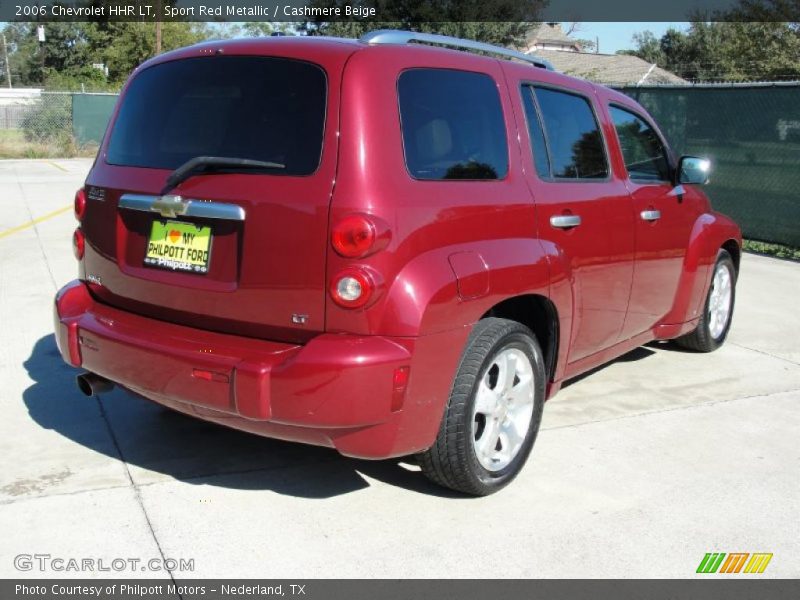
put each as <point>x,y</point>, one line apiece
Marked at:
<point>233,248</point>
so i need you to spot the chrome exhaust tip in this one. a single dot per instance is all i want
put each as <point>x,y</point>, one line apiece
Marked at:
<point>91,384</point>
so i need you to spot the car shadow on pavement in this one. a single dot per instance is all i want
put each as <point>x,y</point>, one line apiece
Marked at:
<point>154,441</point>
<point>634,355</point>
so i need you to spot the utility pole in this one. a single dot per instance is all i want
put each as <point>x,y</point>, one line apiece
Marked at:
<point>5,61</point>
<point>158,27</point>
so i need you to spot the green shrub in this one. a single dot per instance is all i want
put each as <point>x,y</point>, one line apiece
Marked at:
<point>777,250</point>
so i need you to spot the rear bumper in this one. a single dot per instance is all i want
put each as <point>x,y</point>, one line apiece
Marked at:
<point>337,390</point>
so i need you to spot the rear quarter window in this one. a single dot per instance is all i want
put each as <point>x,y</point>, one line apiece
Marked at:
<point>260,108</point>
<point>452,123</point>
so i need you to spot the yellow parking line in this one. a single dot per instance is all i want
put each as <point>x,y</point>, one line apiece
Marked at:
<point>58,166</point>
<point>24,226</point>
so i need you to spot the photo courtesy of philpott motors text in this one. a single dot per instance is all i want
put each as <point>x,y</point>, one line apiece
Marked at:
<point>450,299</point>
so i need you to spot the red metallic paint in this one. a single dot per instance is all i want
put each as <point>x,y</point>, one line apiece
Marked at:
<point>263,270</point>
<point>224,347</point>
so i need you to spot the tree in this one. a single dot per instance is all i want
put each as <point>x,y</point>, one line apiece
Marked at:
<point>728,51</point>
<point>762,11</point>
<point>585,45</point>
<point>122,46</point>
<point>65,48</point>
<point>65,59</point>
<point>647,46</point>
<point>502,22</point>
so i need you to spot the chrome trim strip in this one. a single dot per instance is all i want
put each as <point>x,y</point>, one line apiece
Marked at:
<point>651,215</point>
<point>394,36</point>
<point>136,202</point>
<point>193,208</point>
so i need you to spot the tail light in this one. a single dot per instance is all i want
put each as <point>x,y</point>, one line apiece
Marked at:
<point>353,236</point>
<point>356,236</point>
<point>359,235</point>
<point>80,204</point>
<point>78,243</point>
<point>352,288</point>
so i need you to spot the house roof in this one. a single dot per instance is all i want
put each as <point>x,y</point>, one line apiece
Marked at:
<point>608,69</point>
<point>550,33</point>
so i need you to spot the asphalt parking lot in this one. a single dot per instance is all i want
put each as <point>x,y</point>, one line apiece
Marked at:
<point>640,469</point>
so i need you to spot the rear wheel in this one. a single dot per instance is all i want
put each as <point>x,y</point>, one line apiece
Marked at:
<point>494,411</point>
<point>715,322</point>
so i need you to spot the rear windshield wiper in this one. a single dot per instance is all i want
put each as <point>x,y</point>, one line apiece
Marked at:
<point>214,163</point>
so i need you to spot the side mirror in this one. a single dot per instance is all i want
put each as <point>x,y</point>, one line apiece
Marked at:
<point>692,169</point>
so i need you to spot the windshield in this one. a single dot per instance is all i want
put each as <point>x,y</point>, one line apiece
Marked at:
<point>258,108</point>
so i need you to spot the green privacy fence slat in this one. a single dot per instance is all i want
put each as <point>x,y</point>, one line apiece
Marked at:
<point>90,114</point>
<point>752,136</point>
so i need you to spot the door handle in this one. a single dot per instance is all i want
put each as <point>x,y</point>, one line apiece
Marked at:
<point>651,215</point>
<point>565,221</point>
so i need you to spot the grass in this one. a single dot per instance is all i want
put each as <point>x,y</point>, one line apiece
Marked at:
<point>14,145</point>
<point>776,250</point>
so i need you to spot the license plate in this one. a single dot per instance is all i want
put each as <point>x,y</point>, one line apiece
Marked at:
<point>179,246</point>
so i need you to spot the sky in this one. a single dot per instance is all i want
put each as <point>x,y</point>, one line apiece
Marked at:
<point>618,36</point>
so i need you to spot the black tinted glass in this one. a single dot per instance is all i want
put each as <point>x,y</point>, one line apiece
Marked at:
<point>265,109</point>
<point>644,153</point>
<point>576,144</point>
<point>536,134</point>
<point>453,125</point>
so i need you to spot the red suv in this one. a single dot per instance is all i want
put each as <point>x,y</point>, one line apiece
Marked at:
<point>384,247</point>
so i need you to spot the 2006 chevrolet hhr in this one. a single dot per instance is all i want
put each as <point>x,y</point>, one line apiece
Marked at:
<point>384,247</point>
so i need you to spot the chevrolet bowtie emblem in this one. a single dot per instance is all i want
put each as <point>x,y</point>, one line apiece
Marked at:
<point>170,205</point>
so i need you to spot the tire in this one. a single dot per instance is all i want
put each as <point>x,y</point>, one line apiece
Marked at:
<point>710,334</point>
<point>476,452</point>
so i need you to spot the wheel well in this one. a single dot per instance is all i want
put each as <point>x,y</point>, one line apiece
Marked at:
<point>537,313</point>
<point>733,249</point>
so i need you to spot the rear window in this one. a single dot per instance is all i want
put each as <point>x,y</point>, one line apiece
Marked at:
<point>453,125</point>
<point>259,108</point>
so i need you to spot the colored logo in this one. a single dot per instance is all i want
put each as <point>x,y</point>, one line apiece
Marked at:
<point>735,562</point>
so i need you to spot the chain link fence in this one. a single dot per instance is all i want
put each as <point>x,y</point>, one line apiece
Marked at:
<point>53,123</point>
<point>751,132</point>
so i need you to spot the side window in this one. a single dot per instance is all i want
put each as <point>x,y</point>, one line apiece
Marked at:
<point>644,153</point>
<point>536,134</point>
<point>573,136</point>
<point>453,125</point>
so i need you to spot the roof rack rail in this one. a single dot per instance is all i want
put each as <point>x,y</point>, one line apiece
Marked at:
<point>394,36</point>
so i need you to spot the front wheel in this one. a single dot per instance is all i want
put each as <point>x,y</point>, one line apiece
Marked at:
<point>715,322</point>
<point>494,411</point>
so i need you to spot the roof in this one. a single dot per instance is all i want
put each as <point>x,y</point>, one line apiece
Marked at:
<point>550,33</point>
<point>608,69</point>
